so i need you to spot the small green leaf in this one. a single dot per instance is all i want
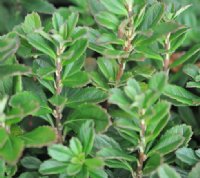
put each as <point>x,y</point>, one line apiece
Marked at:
<point>107,20</point>
<point>181,95</point>
<point>9,70</point>
<point>87,135</point>
<point>12,150</point>
<point>52,167</point>
<point>78,79</point>
<point>57,21</point>
<point>39,137</point>
<point>187,155</point>
<point>165,171</point>
<point>41,44</point>
<point>30,162</point>
<point>3,137</point>
<point>94,163</point>
<point>71,22</point>
<point>73,169</point>
<point>32,23</point>
<point>75,145</point>
<point>195,172</point>
<point>116,7</point>
<point>60,153</point>
<point>195,49</point>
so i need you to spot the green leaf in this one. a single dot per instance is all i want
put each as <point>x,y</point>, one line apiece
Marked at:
<point>60,153</point>
<point>30,162</point>
<point>116,7</point>
<point>75,51</point>
<point>39,137</point>
<point>87,135</point>
<point>98,173</point>
<point>57,21</point>
<point>3,137</point>
<point>181,10</point>
<point>71,22</point>
<point>158,82</point>
<point>78,79</point>
<point>113,153</point>
<point>109,68</point>
<point>153,15</point>
<point>181,95</point>
<point>156,119</point>
<point>195,49</point>
<point>85,95</point>
<point>94,163</point>
<point>23,104</point>
<point>32,23</point>
<point>9,45</point>
<point>75,145</point>
<point>107,20</point>
<point>166,144</point>
<point>195,172</point>
<point>12,150</point>
<point>191,70</point>
<point>73,169</point>
<point>41,44</point>
<point>89,112</point>
<point>52,167</point>
<point>38,6</point>
<point>187,155</point>
<point>167,172</point>
<point>9,70</point>
<point>152,163</point>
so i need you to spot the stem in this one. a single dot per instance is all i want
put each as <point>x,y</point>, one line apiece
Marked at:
<point>167,56</point>
<point>129,35</point>
<point>58,109</point>
<point>142,156</point>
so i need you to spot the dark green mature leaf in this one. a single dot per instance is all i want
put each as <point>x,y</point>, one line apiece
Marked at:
<point>12,150</point>
<point>30,162</point>
<point>60,153</point>
<point>187,155</point>
<point>85,95</point>
<point>186,56</point>
<point>93,112</point>
<point>52,167</point>
<point>112,153</point>
<point>87,136</point>
<point>9,70</point>
<point>116,7</point>
<point>109,68</point>
<point>41,6</point>
<point>191,70</point>
<point>39,137</point>
<point>181,95</point>
<point>156,120</point>
<point>165,171</point>
<point>78,79</point>
<point>195,172</point>
<point>41,44</point>
<point>153,15</point>
<point>32,23</point>
<point>152,163</point>
<point>107,20</point>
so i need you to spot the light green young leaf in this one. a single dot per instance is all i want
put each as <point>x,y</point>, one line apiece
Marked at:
<point>71,23</point>
<point>75,145</point>
<point>87,136</point>
<point>60,153</point>
<point>32,23</point>
<point>195,172</point>
<point>57,21</point>
<point>52,167</point>
<point>3,136</point>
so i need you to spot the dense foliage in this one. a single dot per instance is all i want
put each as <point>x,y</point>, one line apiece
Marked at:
<point>99,89</point>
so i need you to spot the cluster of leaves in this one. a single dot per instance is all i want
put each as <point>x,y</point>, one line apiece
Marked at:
<point>93,85</point>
